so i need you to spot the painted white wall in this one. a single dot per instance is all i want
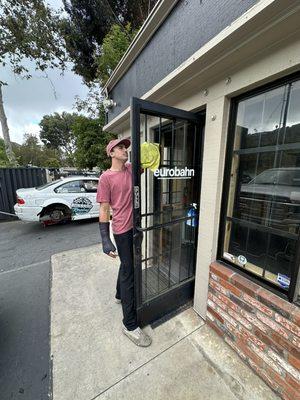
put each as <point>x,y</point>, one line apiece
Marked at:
<point>217,113</point>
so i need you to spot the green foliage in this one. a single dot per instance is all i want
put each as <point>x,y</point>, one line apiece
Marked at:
<point>52,158</point>
<point>3,157</point>
<point>56,133</point>
<point>114,45</point>
<point>84,28</point>
<point>30,29</point>
<point>92,104</point>
<point>88,22</point>
<point>136,11</point>
<point>31,152</point>
<point>91,142</point>
<point>52,163</point>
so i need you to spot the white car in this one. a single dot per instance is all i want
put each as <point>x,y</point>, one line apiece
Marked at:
<point>71,198</point>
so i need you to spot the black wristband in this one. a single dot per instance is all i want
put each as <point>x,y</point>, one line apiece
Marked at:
<point>107,244</point>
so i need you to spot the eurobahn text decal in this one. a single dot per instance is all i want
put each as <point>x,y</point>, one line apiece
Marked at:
<point>174,173</point>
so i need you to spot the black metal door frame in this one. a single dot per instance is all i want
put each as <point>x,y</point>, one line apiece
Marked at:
<point>159,306</point>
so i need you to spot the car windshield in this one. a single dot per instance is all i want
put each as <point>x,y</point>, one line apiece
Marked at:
<point>287,177</point>
<point>47,185</point>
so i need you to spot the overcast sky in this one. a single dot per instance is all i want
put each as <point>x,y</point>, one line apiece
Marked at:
<point>26,101</point>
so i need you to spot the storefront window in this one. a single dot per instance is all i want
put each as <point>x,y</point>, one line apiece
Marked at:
<point>263,198</point>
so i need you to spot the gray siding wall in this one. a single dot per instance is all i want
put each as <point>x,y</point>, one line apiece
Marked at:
<point>190,25</point>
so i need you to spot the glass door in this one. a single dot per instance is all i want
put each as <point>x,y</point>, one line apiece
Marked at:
<point>166,199</point>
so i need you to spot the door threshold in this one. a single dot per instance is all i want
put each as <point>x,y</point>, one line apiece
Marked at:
<point>171,315</point>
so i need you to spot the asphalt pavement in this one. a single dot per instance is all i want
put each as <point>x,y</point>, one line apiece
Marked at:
<point>25,250</point>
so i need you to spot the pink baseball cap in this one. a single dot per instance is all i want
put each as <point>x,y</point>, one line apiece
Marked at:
<point>115,142</point>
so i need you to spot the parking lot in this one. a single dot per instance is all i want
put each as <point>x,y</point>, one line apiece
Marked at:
<point>25,250</point>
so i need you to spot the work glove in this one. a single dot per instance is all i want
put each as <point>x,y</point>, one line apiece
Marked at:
<point>107,244</point>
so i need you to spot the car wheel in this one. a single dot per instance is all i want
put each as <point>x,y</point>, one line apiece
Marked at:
<point>56,214</point>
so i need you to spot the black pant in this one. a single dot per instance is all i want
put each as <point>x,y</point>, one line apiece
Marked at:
<point>125,282</point>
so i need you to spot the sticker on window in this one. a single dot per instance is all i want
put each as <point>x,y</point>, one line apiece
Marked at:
<point>229,256</point>
<point>283,280</point>
<point>242,260</point>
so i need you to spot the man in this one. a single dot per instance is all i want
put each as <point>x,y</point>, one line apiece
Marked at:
<point>115,192</point>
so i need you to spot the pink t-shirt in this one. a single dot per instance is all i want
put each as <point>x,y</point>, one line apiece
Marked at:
<point>115,188</point>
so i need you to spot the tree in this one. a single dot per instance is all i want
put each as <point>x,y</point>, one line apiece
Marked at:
<point>91,142</point>
<point>29,29</point>
<point>136,11</point>
<point>31,152</point>
<point>91,105</point>
<point>3,157</point>
<point>5,131</point>
<point>88,22</point>
<point>114,46</point>
<point>56,133</point>
<point>52,163</point>
<point>83,30</point>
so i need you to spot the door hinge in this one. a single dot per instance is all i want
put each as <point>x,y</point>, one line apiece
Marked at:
<point>136,197</point>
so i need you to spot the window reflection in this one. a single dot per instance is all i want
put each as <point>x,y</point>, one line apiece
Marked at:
<point>263,213</point>
<point>259,119</point>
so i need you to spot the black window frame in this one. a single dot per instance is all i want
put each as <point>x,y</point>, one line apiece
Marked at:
<point>287,295</point>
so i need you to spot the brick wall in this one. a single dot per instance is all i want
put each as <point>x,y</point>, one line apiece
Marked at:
<point>260,326</point>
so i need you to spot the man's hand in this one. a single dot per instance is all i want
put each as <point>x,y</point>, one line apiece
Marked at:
<point>113,254</point>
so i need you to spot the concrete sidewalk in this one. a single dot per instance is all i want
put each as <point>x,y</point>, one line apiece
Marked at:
<point>92,359</point>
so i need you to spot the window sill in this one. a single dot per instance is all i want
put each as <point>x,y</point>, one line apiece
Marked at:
<point>251,286</point>
<point>260,282</point>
